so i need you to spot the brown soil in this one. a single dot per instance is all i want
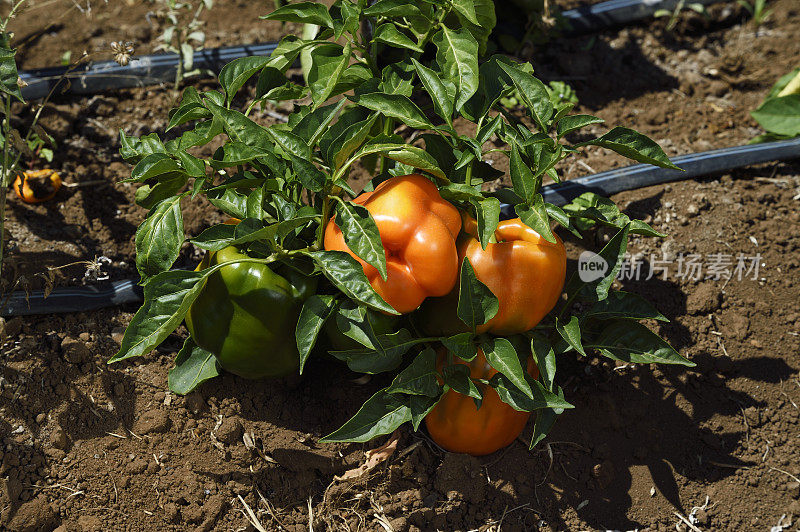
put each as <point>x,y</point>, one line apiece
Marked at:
<point>86,446</point>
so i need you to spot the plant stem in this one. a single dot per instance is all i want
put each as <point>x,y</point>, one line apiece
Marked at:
<point>4,177</point>
<point>326,214</point>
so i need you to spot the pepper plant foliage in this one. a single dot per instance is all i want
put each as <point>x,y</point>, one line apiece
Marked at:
<point>386,83</point>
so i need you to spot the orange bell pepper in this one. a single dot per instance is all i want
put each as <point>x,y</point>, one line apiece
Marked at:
<point>523,270</point>
<point>459,426</point>
<point>418,230</point>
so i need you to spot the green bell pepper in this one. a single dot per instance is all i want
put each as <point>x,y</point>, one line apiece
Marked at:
<point>246,315</point>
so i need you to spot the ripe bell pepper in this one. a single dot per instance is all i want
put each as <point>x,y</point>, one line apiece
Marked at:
<point>246,315</point>
<point>458,425</point>
<point>523,270</point>
<point>418,230</point>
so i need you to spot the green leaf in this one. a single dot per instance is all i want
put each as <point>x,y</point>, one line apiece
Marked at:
<point>308,174</point>
<point>421,406</point>
<point>240,128</point>
<point>397,78</point>
<point>361,234</point>
<point>385,355</point>
<point>248,230</point>
<point>148,196</point>
<point>8,71</point>
<point>389,34</point>
<point>167,298</point>
<point>303,13</point>
<point>456,376</point>
<point>624,305</point>
<point>419,377</point>
<point>381,414</point>
<point>348,14</point>
<point>485,15</point>
<point>572,123</point>
<point>187,111</point>
<point>330,139</point>
<point>457,56</point>
<point>502,356</point>
<point>780,116</point>
<point>488,211</point>
<point>193,366</point>
<point>315,312</point>
<point>312,126</point>
<point>524,182</point>
<point>416,157</point>
<point>512,396</point>
<point>571,332</point>
<point>613,253</point>
<point>443,99</point>
<point>594,207</point>
<point>394,106</point>
<point>159,238</point>
<point>545,419</point>
<point>476,302</point>
<point>235,153</point>
<point>462,345</point>
<point>154,165</point>
<point>236,73</point>
<point>327,64</point>
<point>633,145</point>
<point>782,82</point>
<point>535,216</point>
<point>393,8</point>
<point>348,276</point>
<point>630,341</point>
<point>545,358</point>
<point>349,141</point>
<point>467,9</point>
<point>533,92</point>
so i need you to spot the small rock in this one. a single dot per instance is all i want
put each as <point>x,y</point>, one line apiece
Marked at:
<point>11,489</point>
<point>692,210</point>
<point>153,422</point>
<point>136,467</point>
<point>171,513</point>
<point>58,439</point>
<point>117,333</point>
<point>702,517</point>
<point>604,473</point>
<point>193,514</point>
<point>400,524</point>
<point>90,523</point>
<point>41,418</point>
<point>793,489</point>
<point>230,432</point>
<point>75,350</point>
<point>34,516</point>
<point>195,403</point>
<point>704,299</point>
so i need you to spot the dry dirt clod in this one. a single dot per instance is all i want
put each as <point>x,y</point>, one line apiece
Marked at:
<point>153,422</point>
<point>75,350</point>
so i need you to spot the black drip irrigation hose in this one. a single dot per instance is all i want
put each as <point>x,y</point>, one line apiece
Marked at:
<point>87,298</point>
<point>141,71</point>
<point>161,68</point>
<point>590,19</point>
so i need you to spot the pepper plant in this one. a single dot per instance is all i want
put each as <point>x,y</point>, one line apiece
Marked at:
<point>395,100</point>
